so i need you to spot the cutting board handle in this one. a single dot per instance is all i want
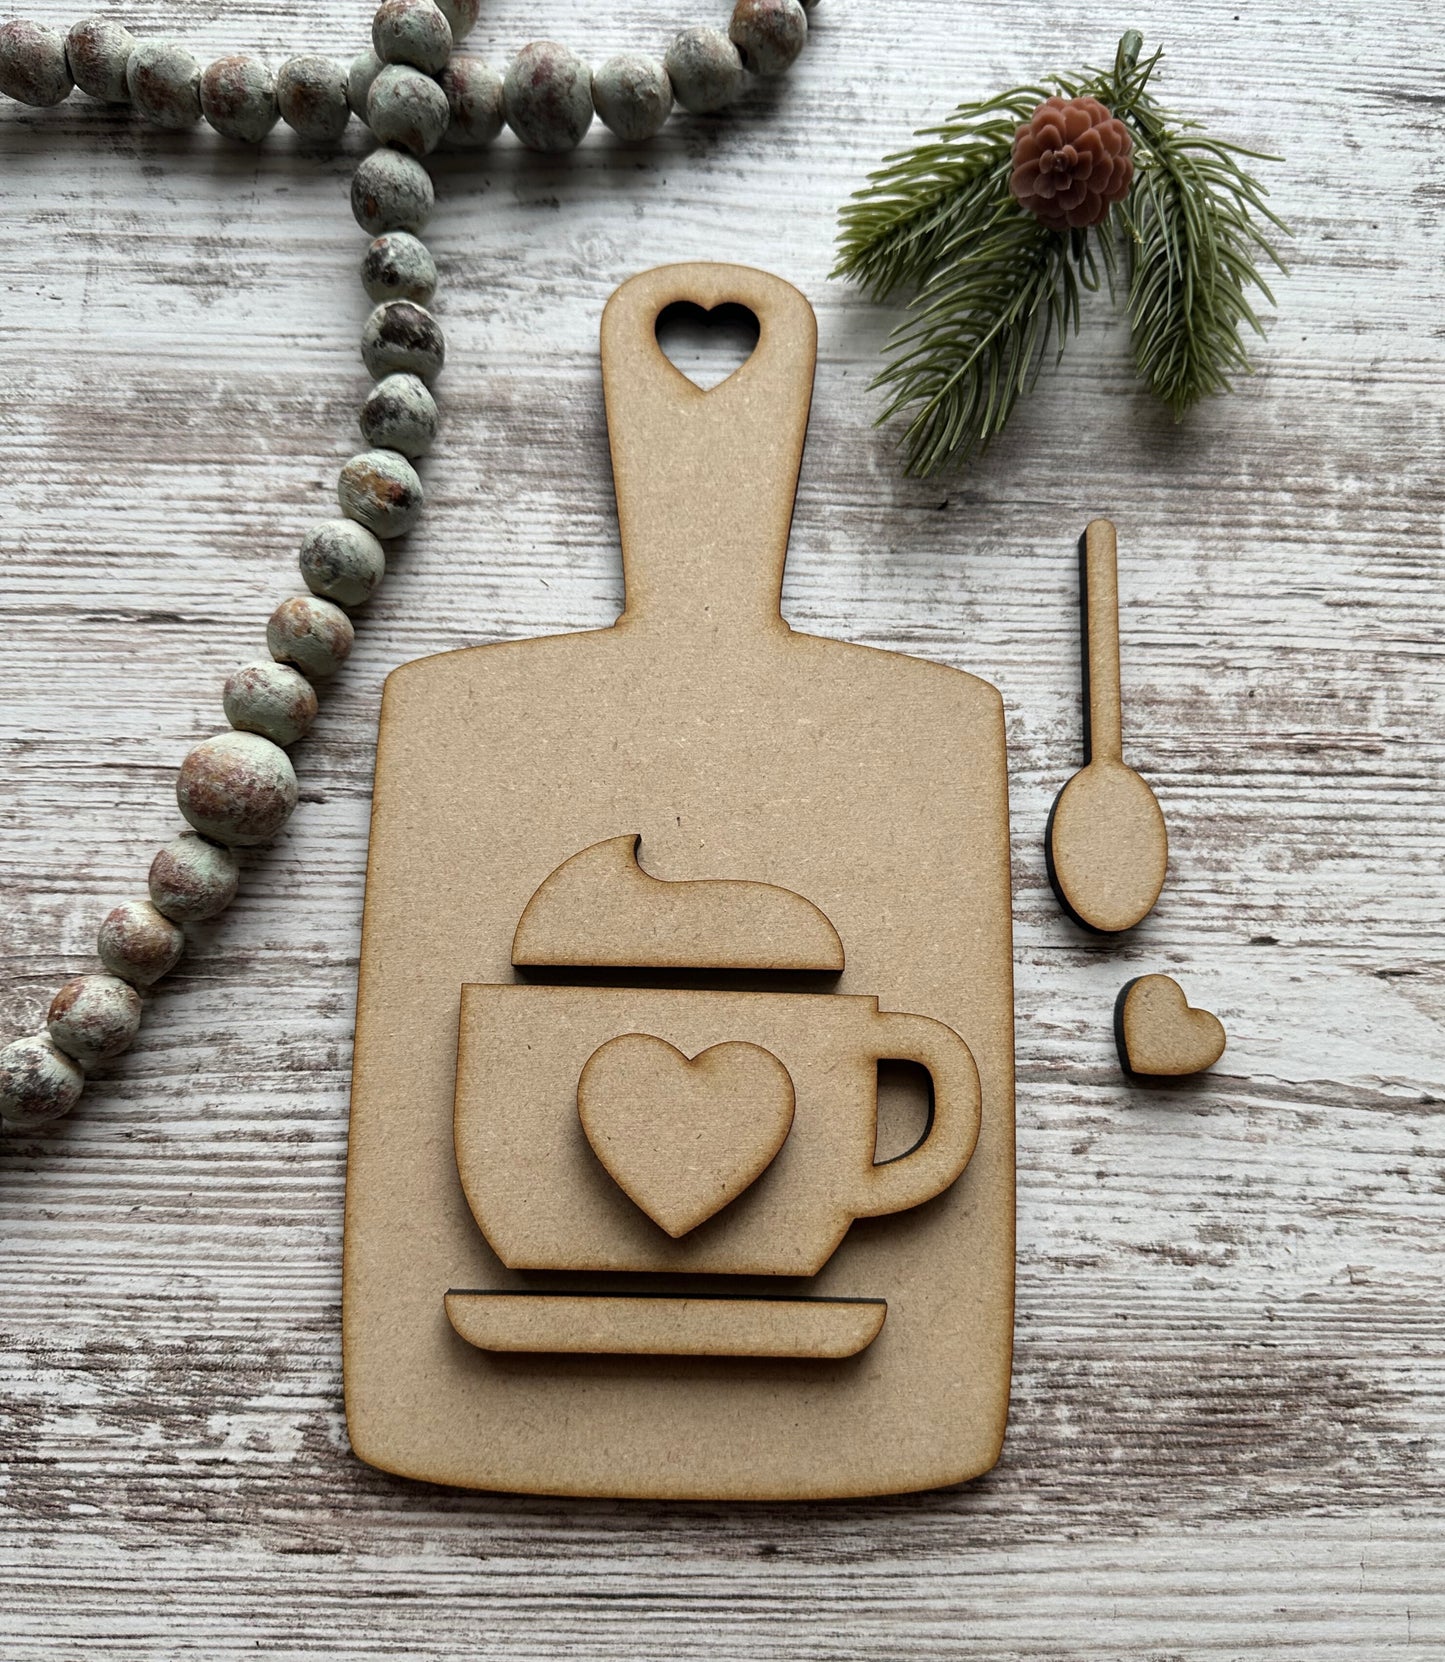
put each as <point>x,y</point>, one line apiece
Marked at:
<point>706,479</point>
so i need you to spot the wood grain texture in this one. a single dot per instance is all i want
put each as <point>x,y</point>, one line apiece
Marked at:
<point>1229,1390</point>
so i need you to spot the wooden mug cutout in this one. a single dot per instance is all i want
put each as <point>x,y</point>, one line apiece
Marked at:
<point>543,1201</point>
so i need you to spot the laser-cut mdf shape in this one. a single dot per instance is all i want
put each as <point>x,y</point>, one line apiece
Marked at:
<point>681,1135</point>
<point>870,783</point>
<point>1106,844</point>
<point>544,1202</point>
<point>600,909</point>
<point>1160,1034</point>
<point>709,1324</point>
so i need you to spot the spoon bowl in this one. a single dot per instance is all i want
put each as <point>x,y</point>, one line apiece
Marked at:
<point>1107,847</point>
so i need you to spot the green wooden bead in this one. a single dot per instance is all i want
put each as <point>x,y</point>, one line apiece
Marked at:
<point>402,337</point>
<point>311,92</point>
<point>400,414</point>
<point>271,699</point>
<point>238,98</point>
<point>391,192</point>
<point>165,83</point>
<point>475,100</point>
<point>769,34</point>
<point>310,634</point>
<point>633,96</point>
<point>380,490</point>
<point>93,1018</point>
<point>414,32</point>
<point>34,69</point>
<point>192,879</point>
<point>399,267</point>
<point>237,788</point>
<point>461,15</point>
<point>408,108</point>
<point>38,1083</point>
<point>343,561</point>
<point>97,51</point>
<point>365,67</point>
<point>548,97</point>
<point>138,943</point>
<point>705,70</point>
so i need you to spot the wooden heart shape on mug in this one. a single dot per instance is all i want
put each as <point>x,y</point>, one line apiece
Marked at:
<point>683,1137</point>
<point>1160,1033</point>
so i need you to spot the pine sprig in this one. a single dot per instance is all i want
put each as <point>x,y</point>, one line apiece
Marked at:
<point>925,201</point>
<point>1192,257</point>
<point>976,336</point>
<point>993,290</point>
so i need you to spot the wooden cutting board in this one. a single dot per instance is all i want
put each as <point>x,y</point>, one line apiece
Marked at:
<point>872,785</point>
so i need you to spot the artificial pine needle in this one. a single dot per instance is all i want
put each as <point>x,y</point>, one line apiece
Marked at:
<point>992,288</point>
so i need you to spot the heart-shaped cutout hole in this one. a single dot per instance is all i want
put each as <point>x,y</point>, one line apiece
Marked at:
<point>1161,1034</point>
<point>707,347</point>
<point>682,1138</point>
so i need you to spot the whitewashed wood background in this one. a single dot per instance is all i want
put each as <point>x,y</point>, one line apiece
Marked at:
<point>1226,1438</point>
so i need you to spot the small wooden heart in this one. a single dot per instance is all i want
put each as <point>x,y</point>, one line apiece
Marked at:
<point>1160,1034</point>
<point>682,1138</point>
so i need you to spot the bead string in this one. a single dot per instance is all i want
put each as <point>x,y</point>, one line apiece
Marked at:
<point>415,92</point>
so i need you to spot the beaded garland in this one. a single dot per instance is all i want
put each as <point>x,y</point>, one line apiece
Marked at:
<point>416,93</point>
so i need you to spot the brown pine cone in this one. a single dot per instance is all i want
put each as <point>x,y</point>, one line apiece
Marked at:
<point>1071,162</point>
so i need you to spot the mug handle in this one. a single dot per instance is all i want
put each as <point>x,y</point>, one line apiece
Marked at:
<point>948,1144</point>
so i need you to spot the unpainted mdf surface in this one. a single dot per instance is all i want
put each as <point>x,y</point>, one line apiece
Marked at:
<point>682,1133</point>
<point>1106,843</point>
<point>1229,1399</point>
<point>1160,1034</point>
<point>872,784</point>
<point>600,909</point>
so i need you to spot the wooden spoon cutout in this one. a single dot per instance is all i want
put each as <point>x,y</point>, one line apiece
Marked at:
<point>1106,844</point>
<point>684,1138</point>
<point>1160,1034</point>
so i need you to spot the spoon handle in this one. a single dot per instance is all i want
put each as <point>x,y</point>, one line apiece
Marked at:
<point>1099,574</point>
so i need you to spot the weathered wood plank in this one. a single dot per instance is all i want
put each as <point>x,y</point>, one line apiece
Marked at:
<point>1229,1390</point>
